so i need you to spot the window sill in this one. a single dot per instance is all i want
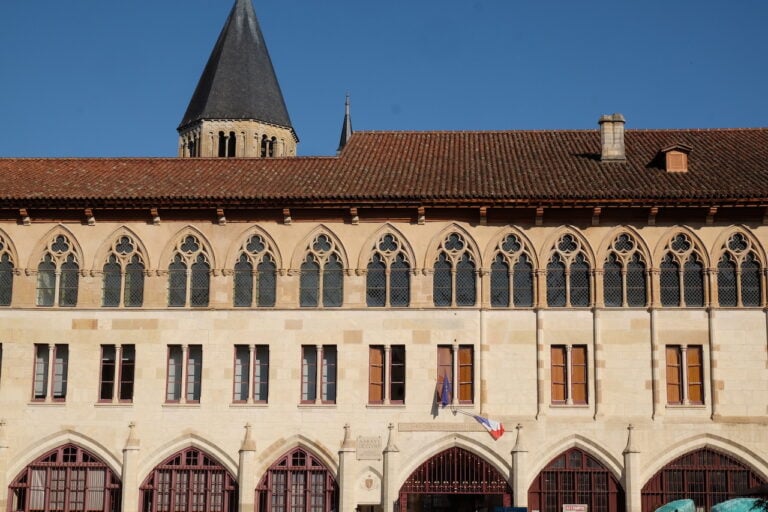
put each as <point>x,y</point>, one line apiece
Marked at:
<point>569,406</point>
<point>249,406</point>
<point>385,406</point>
<point>36,403</point>
<point>113,405</point>
<point>685,406</point>
<point>316,406</point>
<point>182,406</point>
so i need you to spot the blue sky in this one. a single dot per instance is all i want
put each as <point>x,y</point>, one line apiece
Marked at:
<point>113,78</point>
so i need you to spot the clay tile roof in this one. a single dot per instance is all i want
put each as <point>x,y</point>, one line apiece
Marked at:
<point>416,168</point>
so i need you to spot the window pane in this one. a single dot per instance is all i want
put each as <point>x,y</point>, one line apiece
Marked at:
<point>112,281</point>
<point>612,283</point>
<point>441,282</point>
<point>556,283</point>
<point>200,283</point>
<point>46,282</point>
<point>333,282</point>
<point>6,280</point>
<point>41,372</point>
<point>397,374</point>
<point>177,283</point>
<point>669,278</point>
<point>309,283</point>
<point>522,283</point>
<point>70,278</point>
<point>194,372</point>
<point>261,374</point>
<point>726,282</point>
<point>127,371</point>
<point>173,391</point>
<point>693,281</point>
<point>108,369</point>
<point>267,277</point>
<point>400,282</point>
<point>60,371</point>
<point>241,373</point>
<point>309,374</point>
<point>376,283</point>
<point>134,283</point>
<point>674,376</point>
<point>465,282</point>
<point>329,374</point>
<point>243,280</point>
<point>580,282</point>
<point>636,287</point>
<point>750,281</point>
<point>499,282</point>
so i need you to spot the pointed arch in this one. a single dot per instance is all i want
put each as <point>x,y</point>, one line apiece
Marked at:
<point>513,263</point>
<point>9,267</point>
<point>664,240</point>
<point>190,440</point>
<point>492,247</point>
<point>300,252</point>
<point>10,247</point>
<point>434,245</point>
<point>625,261</point>
<point>598,452</point>
<point>387,261</point>
<point>569,260</point>
<point>605,244</point>
<point>370,242</point>
<point>236,247</point>
<point>266,457</point>
<point>682,260</point>
<point>43,242</point>
<point>455,261</point>
<point>42,446</point>
<point>166,256</point>
<point>102,252</point>
<point>740,265</point>
<point>666,454</point>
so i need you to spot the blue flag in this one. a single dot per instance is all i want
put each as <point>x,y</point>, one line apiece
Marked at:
<point>445,392</point>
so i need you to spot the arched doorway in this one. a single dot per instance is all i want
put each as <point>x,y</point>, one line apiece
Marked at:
<point>575,477</point>
<point>297,482</point>
<point>706,476</point>
<point>67,479</point>
<point>454,480</point>
<point>189,480</point>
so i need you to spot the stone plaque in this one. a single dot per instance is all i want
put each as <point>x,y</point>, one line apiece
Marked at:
<point>368,448</point>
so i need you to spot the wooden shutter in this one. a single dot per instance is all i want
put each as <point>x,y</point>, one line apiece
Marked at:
<point>444,369</point>
<point>695,375</point>
<point>558,374</point>
<point>466,374</point>
<point>375,375</point>
<point>579,374</point>
<point>674,376</point>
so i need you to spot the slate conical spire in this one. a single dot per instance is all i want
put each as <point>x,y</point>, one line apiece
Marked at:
<point>238,84</point>
<point>346,127</point>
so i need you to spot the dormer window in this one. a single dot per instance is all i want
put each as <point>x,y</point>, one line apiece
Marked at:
<point>676,157</point>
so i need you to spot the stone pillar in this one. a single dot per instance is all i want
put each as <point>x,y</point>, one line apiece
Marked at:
<point>346,475</point>
<point>130,476</point>
<point>3,466</point>
<point>632,482</point>
<point>519,470</point>
<point>246,472</point>
<point>389,490</point>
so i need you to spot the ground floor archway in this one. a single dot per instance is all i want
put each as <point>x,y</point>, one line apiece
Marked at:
<point>575,477</point>
<point>66,479</point>
<point>454,480</point>
<point>297,482</point>
<point>706,476</point>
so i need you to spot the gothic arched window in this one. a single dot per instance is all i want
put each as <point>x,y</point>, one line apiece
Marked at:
<point>738,274</point>
<point>298,482</point>
<point>388,277</point>
<point>189,274</point>
<point>67,478</point>
<point>681,274</point>
<point>624,281</point>
<point>322,274</point>
<point>189,480</point>
<point>6,274</point>
<point>454,280</point>
<point>255,274</point>
<point>123,275</point>
<point>568,274</point>
<point>511,270</point>
<point>58,274</point>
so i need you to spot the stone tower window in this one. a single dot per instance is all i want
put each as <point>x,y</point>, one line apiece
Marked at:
<point>58,274</point>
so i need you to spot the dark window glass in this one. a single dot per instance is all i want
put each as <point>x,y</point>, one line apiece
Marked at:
<point>750,281</point>
<point>6,280</point>
<point>70,278</point>
<point>465,281</point>
<point>400,282</point>
<point>177,283</point>
<point>397,374</point>
<point>580,282</point>
<point>127,372</point>
<point>693,281</point>
<point>267,275</point>
<point>108,373</point>
<point>46,281</point>
<point>500,282</point>
<point>134,283</point>
<point>201,281</point>
<point>112,281</point>
<point>636,288</point>
<point>376,282</point>
<point>243,278</point>
<point>442,289</point>
<point>669,277</point>
<point>522,283</point>
<point>556,282</point>
<point>726,281</point>
<point>333,282</point>
<point>309,283</point>
<point>612,282</point>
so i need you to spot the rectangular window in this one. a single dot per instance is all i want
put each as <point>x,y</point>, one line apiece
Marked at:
<point>242,373</point>
<point>685,375</point>
<point>386,374</point>
<point>117,376</point>
<point>569,378</point>
<point>325,379</point>
<point>184,379</point>
<point>462,382</point>
<point>50,381</point>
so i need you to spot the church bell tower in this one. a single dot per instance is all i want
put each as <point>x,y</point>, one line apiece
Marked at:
<point>237,109</point>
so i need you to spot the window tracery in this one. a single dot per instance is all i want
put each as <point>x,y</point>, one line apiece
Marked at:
<point>58,274</point>
<point>568,274</point>
<point>454,279</point>
<point>738,273</point>
<point>322,274</point>
<point>6,273</point>
<point>123,274</point>
<point>189,274</point>
<point>681,273</point>
<point>255,277</point>
<point>512,274</point>
<point>388,281</point>
<point>624,274</point>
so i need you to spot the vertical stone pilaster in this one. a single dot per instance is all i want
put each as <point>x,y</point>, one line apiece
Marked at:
<point>3,466</point>
<point>246,472</point>
<point>391,467</point>
<point>346,475</point>
<point>519,471</point>
<point>632,482</point>
<point>130,476</point>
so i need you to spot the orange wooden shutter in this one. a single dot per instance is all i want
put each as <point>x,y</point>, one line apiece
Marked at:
<point>466,374</point>
<point>444,369</point>
<point>695,375</point>
<point>375,375</point>
<point>579,374</point>
<point>558,374</point>
<point>674,377</point>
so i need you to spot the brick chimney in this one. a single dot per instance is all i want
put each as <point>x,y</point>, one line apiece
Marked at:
<point>612,137</point>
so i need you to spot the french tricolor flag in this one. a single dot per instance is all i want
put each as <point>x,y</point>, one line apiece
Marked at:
<point>494,428</point>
